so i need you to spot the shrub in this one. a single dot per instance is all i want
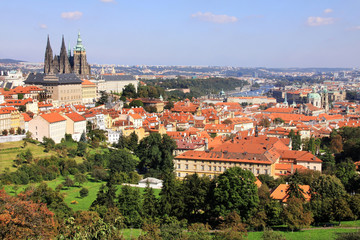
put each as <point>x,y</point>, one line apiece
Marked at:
<point>84,192</point>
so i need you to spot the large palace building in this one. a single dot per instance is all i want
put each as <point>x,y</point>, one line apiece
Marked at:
<point>66,62</point>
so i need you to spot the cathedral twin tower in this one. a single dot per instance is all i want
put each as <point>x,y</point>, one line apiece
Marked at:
<point>67,63</point>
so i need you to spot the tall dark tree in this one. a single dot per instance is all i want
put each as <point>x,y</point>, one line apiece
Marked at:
<point>105,198</point>
<point>129,204</point>
<point>129,91</point>
<point>133,141</point>
<point>121,161</point>
<point>195,196</point>
<point>168,194</point>
<point>150,203</point>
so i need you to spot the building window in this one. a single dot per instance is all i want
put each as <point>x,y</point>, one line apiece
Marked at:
<point>179,174</point>
<point>224,169</point>
<point>209,168</point>
<point>178,166</point>
<point>202,167</point>
<point>186,174</point>
<point>214,168</point>
<point>257,171</point>
<point>266,171</point>
<point>186,166</point>
<point>219,169</point>
<point>314,167</point>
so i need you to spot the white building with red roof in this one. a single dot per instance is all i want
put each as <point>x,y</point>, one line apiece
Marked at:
<point>75,125</point>
<point>50,125</point>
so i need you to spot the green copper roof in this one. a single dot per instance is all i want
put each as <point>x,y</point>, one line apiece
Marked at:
<point>314,96</point>
<point>79,46</point>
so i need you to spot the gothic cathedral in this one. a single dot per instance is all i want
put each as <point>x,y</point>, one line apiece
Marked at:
<point>67,63</point>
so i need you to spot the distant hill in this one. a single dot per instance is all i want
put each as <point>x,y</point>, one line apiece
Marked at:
<point>6,60</point>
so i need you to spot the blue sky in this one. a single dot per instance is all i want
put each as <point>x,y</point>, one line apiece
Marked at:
<point>243,33</point>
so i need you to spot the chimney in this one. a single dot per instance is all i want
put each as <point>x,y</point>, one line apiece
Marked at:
<point>292,168</point>
<point>206,144</point>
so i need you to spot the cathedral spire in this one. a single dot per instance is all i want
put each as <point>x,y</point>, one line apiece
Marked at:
<point>48,63</point>
<point>64,60</point>
<point>79,46</point>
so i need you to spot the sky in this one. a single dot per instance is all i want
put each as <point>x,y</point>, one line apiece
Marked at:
<point>239,33</point>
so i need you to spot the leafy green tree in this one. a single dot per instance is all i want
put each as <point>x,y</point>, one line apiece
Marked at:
<point>327,186</point>
<point>295,216</point>
<point>172,231</point>
<point>121,161</point>
<point>68,182</point>
<point>53,199</point>
<point>122,142</point>
<point>103,98</point>
<point>84,192</point>
<point>156,153</point>
<point>236,191</point>
<point>129,204</point>
<point>295,139</point>
<point>346,172</point>
<point>129,91</point>
<point>136,103</point>
<point>199,231</point>
<point>83,137</point>
<point>341,210</point>
<point>80,178</point>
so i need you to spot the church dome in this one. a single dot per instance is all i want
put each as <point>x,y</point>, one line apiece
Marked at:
<point>313,96</point>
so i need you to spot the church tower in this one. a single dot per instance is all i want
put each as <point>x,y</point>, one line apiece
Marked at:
<point>64,64</point>
<point>48,64</point>
<point>81,66</point>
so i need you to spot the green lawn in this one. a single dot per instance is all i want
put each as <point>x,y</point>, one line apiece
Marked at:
<point>315,234</point>
<point>72,193</point>
<point>9,150</point>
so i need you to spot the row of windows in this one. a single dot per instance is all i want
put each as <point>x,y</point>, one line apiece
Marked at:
<point>230,163</point>
<point>220,169</point>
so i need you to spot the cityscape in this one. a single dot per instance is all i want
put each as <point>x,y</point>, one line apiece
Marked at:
<point>181,142</point>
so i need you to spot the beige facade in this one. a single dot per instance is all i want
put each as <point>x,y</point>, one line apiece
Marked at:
<point>212,168</point>
<point>5,120</point>
<point>40,128</point>
<point>88,92</point>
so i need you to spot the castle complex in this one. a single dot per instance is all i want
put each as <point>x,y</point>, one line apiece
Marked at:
<point>65,62</point>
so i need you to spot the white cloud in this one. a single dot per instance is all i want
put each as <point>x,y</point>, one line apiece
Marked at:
<point>319,21</point>
<point>355,28</point>
<point>72,15</point>
<point>328,10</point>
<point>43,26</point>
<point>210,17</point>
<point>107,1</point>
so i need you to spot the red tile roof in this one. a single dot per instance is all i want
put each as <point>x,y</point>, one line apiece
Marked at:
<point>75,117</point>
<point>53,117</point>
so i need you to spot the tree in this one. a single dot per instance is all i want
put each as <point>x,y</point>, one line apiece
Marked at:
<point>295,139</point>
<point>129,204</point>
<point>155,153</point>
<point>295,216</point>
<point>346,172</point>
<point>18,131</point>
<point>84,192</point>
<point>199,231</point>
<point>81,149</point>
<point>169,105</point>
<point>129,91</point>
<point>150,203</point>
<point>105,198</point>
<point>12,131</point>
<point>133,141</point>
<point>341,210</point>
<point>68,182</point>
<point>103,98</point>
<point>278,120</point>
<point>327,186</point>
<point>80,178</point>
<point>136,103</point>
<point>264,122</point>
<point>24,219</point>
<point>99,174</point>
<point>121,161</point>
<point>5,132</point>
<point>54,200</point>
<point>336,143</point>
<point>83,137</point>
<point>236,191</point>
<point>195,190</point>
<point>169,195</point>
<point>294,190</point>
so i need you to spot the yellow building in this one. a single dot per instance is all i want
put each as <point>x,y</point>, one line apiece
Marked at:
<point>88,91</point>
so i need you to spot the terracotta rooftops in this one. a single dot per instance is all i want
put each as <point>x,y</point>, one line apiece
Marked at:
<point>53,117</point>
<point>75,117</point>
